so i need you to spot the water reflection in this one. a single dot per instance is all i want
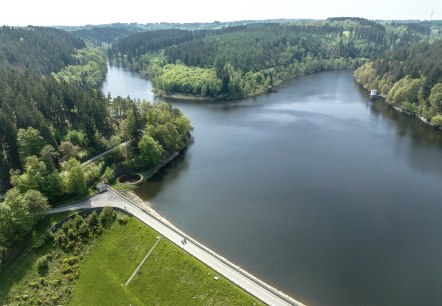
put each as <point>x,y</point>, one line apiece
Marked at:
<point>314,189</point>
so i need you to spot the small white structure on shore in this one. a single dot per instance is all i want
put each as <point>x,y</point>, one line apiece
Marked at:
<point>374,93</point>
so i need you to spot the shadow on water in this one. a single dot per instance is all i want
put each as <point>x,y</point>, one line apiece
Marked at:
<point>421,140</point>
<point>173,170</point>
<point>327,196</point>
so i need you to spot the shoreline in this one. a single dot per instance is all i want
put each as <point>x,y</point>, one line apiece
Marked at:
<point>147,207</point>
<point>187,97</point>
<point>400,110</point>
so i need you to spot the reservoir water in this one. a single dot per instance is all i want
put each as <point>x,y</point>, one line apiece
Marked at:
<point>329,197</point>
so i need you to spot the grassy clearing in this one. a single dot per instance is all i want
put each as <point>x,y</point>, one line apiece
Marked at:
<point>169,276</point>
<point>96,276</point>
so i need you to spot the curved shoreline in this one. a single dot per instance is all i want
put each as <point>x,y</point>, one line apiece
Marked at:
<point>400,110</point>
<point>147,215</point>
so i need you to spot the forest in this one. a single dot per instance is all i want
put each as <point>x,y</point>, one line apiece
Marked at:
<point>246,60</point>
<point>39,49</point>
<point>52,118</point>
<point>410,78</point>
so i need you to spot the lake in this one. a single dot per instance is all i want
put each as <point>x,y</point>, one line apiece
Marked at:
<point>323,194</point>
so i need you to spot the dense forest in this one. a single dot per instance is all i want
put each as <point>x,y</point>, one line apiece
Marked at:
<point>44,50</point>
<point>50,107</point>
<point>246,60</point>
<point>410,78</point>
<point>53,117</point>
<point>98,35</point>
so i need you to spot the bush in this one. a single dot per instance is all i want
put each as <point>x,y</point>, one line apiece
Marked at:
<point>42,265</point>
<point>93,221</point>
<point>122,219</point>
<point>41,240</point>
<point>107,216</point>
<point>437,120</point>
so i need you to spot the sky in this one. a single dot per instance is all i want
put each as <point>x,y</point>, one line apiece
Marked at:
<point>82,12</point>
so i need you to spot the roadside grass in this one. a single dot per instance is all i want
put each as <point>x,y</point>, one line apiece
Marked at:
<point>20,281</point>
<point>170,276</point>
<point>96,275</point>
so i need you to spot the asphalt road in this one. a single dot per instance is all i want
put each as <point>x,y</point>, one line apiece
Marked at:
<point>249,283</point>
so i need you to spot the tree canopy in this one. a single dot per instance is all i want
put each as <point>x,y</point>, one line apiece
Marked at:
<point>39,49</point>
<point>245,60</point>
<point>410,77</point>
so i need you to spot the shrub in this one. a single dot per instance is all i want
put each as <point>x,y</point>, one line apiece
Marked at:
<point>42,265</point>
<point>107,216</point>
<point>122,219</point>
<point>437,120</point>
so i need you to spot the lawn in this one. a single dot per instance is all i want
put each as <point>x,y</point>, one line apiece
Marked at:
<point>169,276</point>
<point>97,275</point>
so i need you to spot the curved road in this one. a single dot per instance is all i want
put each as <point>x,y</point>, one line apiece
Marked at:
<point>249,283</point>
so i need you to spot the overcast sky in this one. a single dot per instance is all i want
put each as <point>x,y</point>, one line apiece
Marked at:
<point>81,12</point>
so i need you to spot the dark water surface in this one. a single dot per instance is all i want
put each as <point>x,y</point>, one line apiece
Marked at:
<point>331,198</point>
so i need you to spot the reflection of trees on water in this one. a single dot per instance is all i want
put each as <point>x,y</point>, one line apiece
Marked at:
<point>172,171</point>
<point>417,141</point>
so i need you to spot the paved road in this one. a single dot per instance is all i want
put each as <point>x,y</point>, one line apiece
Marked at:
<point>104,153</point>
<point>236,275</point>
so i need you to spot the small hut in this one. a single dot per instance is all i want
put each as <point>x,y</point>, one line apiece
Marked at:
<point>101,187</point>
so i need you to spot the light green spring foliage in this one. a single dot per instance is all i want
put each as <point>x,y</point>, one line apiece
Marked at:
<point>187,80</point>
<point>30,142</point>
<point>409,77</point>
<point>74,177</point>
<point>89,70</point>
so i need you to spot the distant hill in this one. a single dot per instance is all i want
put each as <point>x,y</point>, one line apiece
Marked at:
<point>39,49</point>
<point>102,34</point>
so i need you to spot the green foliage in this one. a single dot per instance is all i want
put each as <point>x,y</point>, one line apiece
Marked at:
<point>89,69</point>
<point>122,219</point>
<point>170,276</point>
<point>77,232</point>
<point>222,64</point>
<point>435,98</point>
<point>104,263</point>
<point>93,221</point>
<point>107,216</point>
<point>36,111</point>
<point>74,177</point>
<point>68,150</point>
<point>101,34</point>
<point>107,175</point>
<point>50,157</point>
<point>92,172</point>
<point>77,138</point>
<point>187,80</point>
<point>437,120</point>
<point>39,49</point>
<point>38,177</point>
<point>42,265</point>
<point>18,214</point>
<point>151,152</point>
<point>410,77</point>
<point>30,142</point>
<point>168,126</point>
